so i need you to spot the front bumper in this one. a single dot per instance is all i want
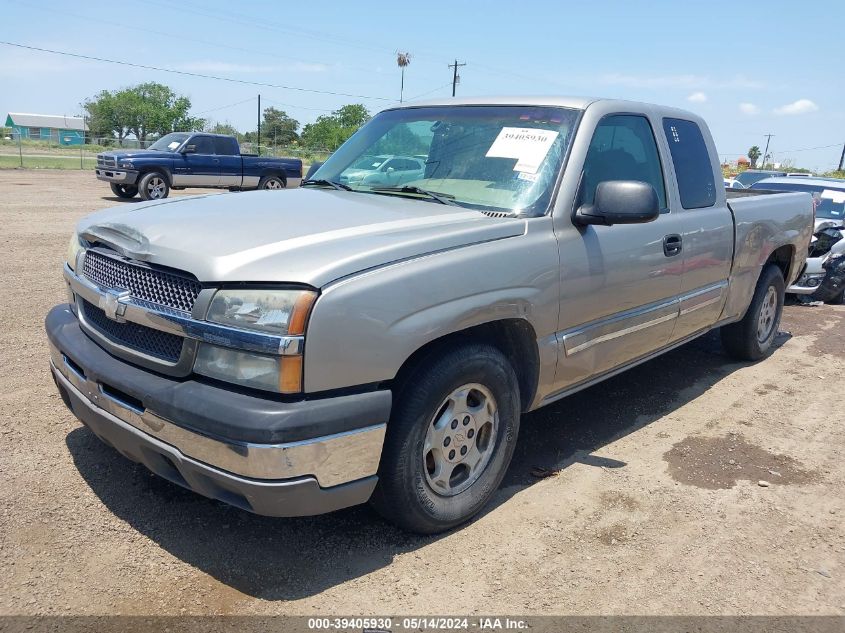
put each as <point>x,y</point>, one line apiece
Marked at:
<point>117,176</point>
<point>262,455</point>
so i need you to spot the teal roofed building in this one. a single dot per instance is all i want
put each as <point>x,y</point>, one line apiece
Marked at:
<point>61,130</point>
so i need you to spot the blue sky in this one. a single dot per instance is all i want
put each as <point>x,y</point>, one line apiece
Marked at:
<point>749,68</point>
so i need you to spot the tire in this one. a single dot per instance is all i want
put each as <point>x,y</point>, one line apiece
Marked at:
<point>154,186</point>
<point>752,337</point>
<point>426,490</point>
<point>272,182</point>
<point>838,299</point>
<point>124,191</point>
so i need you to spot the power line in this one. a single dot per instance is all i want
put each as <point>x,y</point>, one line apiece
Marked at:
<point>193,74</point>
<point>231,105</point>
<point>183,37</point>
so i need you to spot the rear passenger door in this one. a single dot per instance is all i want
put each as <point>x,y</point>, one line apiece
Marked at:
<point>708,229</point>
<point>619,284</point>
<point>229,159</point>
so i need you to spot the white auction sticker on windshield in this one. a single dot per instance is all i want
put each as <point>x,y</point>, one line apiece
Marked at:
<point>837,196</point>
<point>529,146</point>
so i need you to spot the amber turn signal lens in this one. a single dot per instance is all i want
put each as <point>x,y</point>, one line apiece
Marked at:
<point>301,310</point>
<point>290,376</point>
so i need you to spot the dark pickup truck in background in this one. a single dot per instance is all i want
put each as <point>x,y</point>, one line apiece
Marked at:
<point>186,159</point>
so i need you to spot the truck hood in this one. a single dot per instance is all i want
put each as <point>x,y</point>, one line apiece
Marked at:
<point>308,236</point>
<point>137,153</point>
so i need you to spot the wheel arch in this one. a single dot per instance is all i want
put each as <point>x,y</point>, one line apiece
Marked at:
<point>782,257</point>
<point>273,171</point>
<point>143,170</point>
<point>515,338</point>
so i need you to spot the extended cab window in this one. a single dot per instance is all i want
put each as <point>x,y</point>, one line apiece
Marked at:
<point>203,144</point>
<point>623,148</point>
<point>693,168</point>
<point>225,146</point>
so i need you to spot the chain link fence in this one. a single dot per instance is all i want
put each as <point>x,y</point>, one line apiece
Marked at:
<point>55,153</point>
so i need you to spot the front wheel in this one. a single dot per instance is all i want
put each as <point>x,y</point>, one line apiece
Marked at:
<point>272,182</point>
<point>752,337</point>
<point>124,191</point>
<point>154,186</point>
<point>450,439</point>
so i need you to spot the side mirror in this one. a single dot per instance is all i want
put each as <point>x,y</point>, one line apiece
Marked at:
<point>190,149</point>
<point>620,202</point>
<point>314,167</point>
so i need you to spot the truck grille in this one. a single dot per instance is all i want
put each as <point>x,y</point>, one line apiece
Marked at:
<point>106,161</point>
<point>140,338</point>
<point>148,284</point>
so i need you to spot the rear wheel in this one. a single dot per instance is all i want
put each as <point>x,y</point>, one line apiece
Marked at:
<point>752,337</point>
<point>272,182</point>
<point>450,439</point>
<point>124,191</point>
<point>154,186</point>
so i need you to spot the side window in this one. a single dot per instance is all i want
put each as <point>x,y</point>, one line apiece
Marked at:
<point>224,146</point>
<point>693,168</point>
<point>203,144</point>
<point>622,148</point>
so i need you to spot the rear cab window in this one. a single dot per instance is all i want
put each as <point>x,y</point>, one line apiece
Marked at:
<point>225,146</point>
<point>693,168</point>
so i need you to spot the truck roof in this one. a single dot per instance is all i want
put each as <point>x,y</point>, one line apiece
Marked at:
<point>561,101</point>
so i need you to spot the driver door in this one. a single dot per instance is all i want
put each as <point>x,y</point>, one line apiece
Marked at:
<point>197,168</point>
<point>620,283</point>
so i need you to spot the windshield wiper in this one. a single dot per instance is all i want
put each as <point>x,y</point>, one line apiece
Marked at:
<point>442,198</point>
<point>323,182</point>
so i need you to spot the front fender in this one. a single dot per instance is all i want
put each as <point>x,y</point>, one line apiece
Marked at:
<point>364,327</point>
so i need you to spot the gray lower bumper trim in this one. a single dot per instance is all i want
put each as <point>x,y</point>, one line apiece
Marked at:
<point>117,176</point>
<point>294,497</point>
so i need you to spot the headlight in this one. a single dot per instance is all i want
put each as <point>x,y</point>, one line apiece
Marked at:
<point>73,249</point>
<point>277,312</point>
<point>126,164</point>
<point>280,312</point>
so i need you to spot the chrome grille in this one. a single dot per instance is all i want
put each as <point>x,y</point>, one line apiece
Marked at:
<point>140,338</point>
<point>106,161</point>
<point>148,284</point>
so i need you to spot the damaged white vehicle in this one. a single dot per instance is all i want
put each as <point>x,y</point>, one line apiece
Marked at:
<point>824,277</point>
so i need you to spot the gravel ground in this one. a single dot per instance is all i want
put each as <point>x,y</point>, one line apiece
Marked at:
<point>691,484</point>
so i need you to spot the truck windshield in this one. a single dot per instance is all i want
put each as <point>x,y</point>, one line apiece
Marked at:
<point>501,158</point>
<point>169,142</point>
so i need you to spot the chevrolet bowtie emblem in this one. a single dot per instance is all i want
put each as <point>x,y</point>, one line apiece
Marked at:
<point>113,303</point>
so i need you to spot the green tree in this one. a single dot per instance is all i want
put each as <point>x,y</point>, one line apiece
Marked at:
<point>330,131</point>
<point>279,126</point>
<point>753,155</point>
<point>143,110</point>
<point>224,128</point>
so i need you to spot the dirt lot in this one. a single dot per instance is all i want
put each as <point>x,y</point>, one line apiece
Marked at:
<point>638,496</point>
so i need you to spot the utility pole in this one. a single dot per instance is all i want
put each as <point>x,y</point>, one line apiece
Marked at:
<point>766,151</point>
<point>455,77</point>
<point>842,158</point>
<point>259,126</point>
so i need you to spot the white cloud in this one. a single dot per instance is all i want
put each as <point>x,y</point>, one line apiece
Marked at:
<point>802,106</point>
<point>697,97</point>
<point>749,109</point>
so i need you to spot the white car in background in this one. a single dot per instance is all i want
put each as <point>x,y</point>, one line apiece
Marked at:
<point>388,170</point>
<point>733,183</point>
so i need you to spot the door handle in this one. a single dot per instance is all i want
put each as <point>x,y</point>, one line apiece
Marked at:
<point>216,160</point>
<point>673,244</point>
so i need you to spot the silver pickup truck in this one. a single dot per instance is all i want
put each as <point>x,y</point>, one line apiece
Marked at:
<point>295,354</point>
